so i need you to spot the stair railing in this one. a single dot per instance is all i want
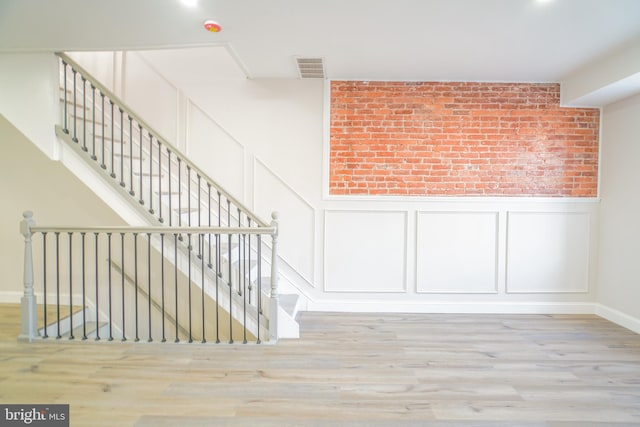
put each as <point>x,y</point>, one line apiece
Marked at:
<point>161,182</point>
<point>144,283</point>
<point>139,159</point>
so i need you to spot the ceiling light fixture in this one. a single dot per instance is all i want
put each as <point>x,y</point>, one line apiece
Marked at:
<point>212,26</point>
<point>189,3</point>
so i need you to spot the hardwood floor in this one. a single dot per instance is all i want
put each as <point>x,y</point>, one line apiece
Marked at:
<point>346,370</point>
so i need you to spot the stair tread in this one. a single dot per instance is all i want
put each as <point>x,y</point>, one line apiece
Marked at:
<point>90,328</point>
<point>289,303</point>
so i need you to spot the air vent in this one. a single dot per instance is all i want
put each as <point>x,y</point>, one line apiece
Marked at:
<point>310,68</point>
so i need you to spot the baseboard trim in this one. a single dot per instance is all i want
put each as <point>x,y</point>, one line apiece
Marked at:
<point>10,297</point>
<point>603,311</point>
<point>612,315</point>
<point>618,317</point>
<point>15,297</point>
<point>452,307</point>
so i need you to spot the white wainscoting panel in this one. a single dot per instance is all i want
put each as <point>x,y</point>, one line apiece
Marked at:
<point>456,252</point>
<point>152,97</point>
<point>548,252</point>
<point>100,65</point>
<point>297,219</point>
<point>215,151</point>
<point>365,251</point>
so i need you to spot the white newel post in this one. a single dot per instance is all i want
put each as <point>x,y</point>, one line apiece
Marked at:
<point>29,326</point>
<point>273,307</point>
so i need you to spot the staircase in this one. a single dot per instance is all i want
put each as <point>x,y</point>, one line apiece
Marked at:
<point>208,240</point>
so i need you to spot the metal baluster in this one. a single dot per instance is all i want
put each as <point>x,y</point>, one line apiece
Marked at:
<point>58,283</point>
<point>230,276</point>
<point>110,267</point>
<point>240,258</point>
<point>199,217</point>
<point>159,182</point>
<point>84,114</point>
<point>162,281</point>
<point>209,220</point>
<point>259,280</point>
<point>113,142</point>
<point>70,286</point>
<point>93,123</point>
<point>66,113</point>
<point>97,291</point>
<point>244,288</point>
<point>175,281</point>
<point>150,339</point>
<point>44,281</point>
<point>135,282</point>
<point>217,286</point>
<point>122,184</point>
<point>131,192</point>
<point>169,174</point>
<point>201,236</point>
<point>189,199</point>
<point>249,250</point>
<point>84,296</point>
<point>141,201</point>
<point>179,193</point>
<point>150,173</point>
<point>230,296</point>
<point>218,252</point>
<point>103,165</point>
<point>199,199</point>
<point>75,107</point>
<point>189,285</point>
<point>124,337</point>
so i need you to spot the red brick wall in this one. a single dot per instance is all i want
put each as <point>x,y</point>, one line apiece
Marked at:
<point>460,139</point>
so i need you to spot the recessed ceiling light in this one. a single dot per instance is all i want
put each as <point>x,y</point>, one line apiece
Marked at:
<point>189,3</point>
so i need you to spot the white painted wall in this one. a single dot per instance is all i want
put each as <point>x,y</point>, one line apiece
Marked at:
<point>619,237</point>
<point>101,65</point>
<point>29,96</point>
<point>606,80</point>
<point>29,180</point>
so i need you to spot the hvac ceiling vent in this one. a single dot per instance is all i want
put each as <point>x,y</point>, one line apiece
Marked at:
<point>310,68</point>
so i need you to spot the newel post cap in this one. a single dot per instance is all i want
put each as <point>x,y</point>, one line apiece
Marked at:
<point>26,223</point>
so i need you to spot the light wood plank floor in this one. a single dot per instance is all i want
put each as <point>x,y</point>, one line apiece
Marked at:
<point>346,370</point>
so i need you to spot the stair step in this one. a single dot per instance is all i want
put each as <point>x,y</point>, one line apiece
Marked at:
<point>134,157</point>
<point>90,327</point>
<point>147,174</point>
<point>186,210</point>
<point>289,302</point>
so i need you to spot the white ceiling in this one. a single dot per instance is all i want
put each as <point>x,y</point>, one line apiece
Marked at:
<point>423,40</point>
